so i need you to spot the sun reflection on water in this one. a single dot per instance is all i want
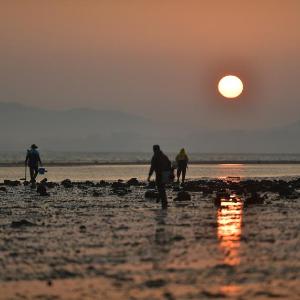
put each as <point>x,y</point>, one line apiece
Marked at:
<point>229,218</point>
<point>230,290</point>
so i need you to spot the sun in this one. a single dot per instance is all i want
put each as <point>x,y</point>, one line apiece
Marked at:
<point>230,86</point>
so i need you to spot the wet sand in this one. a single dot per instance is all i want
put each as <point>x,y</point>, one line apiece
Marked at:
<point>90,241</point>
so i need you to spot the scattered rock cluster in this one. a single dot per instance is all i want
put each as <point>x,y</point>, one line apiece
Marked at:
<point>250,191</point>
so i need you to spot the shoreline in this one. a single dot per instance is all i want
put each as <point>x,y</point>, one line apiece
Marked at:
<point>126,163</point>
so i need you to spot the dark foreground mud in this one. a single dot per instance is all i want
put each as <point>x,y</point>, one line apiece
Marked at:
<point>218,239</point>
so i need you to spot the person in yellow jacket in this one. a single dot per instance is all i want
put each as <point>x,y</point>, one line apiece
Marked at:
<point>182,163</point>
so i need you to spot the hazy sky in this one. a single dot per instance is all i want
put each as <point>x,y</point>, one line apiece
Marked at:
<point>157,58</point>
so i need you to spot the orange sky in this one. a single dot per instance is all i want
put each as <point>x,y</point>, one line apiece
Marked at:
<point>136,55</point>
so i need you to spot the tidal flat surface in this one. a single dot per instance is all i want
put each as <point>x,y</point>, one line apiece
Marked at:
<point>87,242</point>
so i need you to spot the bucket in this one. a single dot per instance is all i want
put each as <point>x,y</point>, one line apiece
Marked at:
<point>42,171</point>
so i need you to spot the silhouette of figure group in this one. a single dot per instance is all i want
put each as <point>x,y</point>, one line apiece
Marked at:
<point>160,165</point>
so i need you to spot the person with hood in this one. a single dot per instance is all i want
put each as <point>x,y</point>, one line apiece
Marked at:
<point>161,165</point>
<point>182,164</point>
<point>33,161</point>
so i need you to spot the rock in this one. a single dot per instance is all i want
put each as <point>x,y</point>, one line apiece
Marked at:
<point>67,183</point>
<point>21,223</point>
<point>12,182</point>
<point>89,183</point>
<point>285,191</point>
<point>120,188</point>
<point>41,188</point>
<point>183,196</point>
<point>217,202</point>
<point>49,282</point>
<point>82,228</point>
<point>151,194</point>
<point>51,185</point>
<point>178,238</point>
<point>3,189</point>
<point>102,183</point>
<point>222,194</point>
<point>157,283</point>
<point>96,193</point>
<point>254,198</point>
<point>169,296</point>
<point>120,191</point>
<point>119,185</point>
<point>42,191</point>
<point>133,182</point>
<point>192,186</point>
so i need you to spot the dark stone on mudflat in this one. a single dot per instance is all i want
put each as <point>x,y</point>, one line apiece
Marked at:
<point>62,274</point>
<point>217,201</point>
<point>41,189</point>
<point>102,183</point>
<point>178,238</point>
<point>183,196</point>
<point>285,191</point>
<point>119,185</point>
<point>157,283</point>
<point>3,189</point>
<point>254,198</point>
<point>151,194</point>
<point>49,283</point>
<point>169,296</point>
<point>67,183</point>
<point>223,194</point>
<point>220,195</point>
<point>82,228</point>
<point>96,193</point>
<point>121,191</point>
<point>51,185</point>
<point>21,223</point>
<point>224,266</point>
<point>12,182</point>
<point>192,186</point>
<point>133,182</point>
<point>213,295</point>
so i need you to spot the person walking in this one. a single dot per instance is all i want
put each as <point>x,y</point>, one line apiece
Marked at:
<point>161,165</point>
<point>33,161</point>
<point>182,164</point>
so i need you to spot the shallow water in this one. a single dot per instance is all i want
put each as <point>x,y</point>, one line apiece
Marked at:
<point>115,172</point>
<point>113,247</point>
<point>119,157</point>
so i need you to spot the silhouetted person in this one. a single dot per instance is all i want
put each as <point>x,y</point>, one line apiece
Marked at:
<point>182,163</point>
<point>161,165</point>
<point>33,161</point>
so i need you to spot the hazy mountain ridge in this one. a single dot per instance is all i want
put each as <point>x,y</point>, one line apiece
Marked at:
<point>95,130</point>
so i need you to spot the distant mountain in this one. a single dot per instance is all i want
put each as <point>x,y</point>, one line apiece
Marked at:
<point>75,129</point>
<point>98,130</point>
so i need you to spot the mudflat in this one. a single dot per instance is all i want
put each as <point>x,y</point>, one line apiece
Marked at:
<point>98,240</point>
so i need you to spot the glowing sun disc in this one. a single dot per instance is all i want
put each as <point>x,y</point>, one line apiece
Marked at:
<point>230,86</point>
